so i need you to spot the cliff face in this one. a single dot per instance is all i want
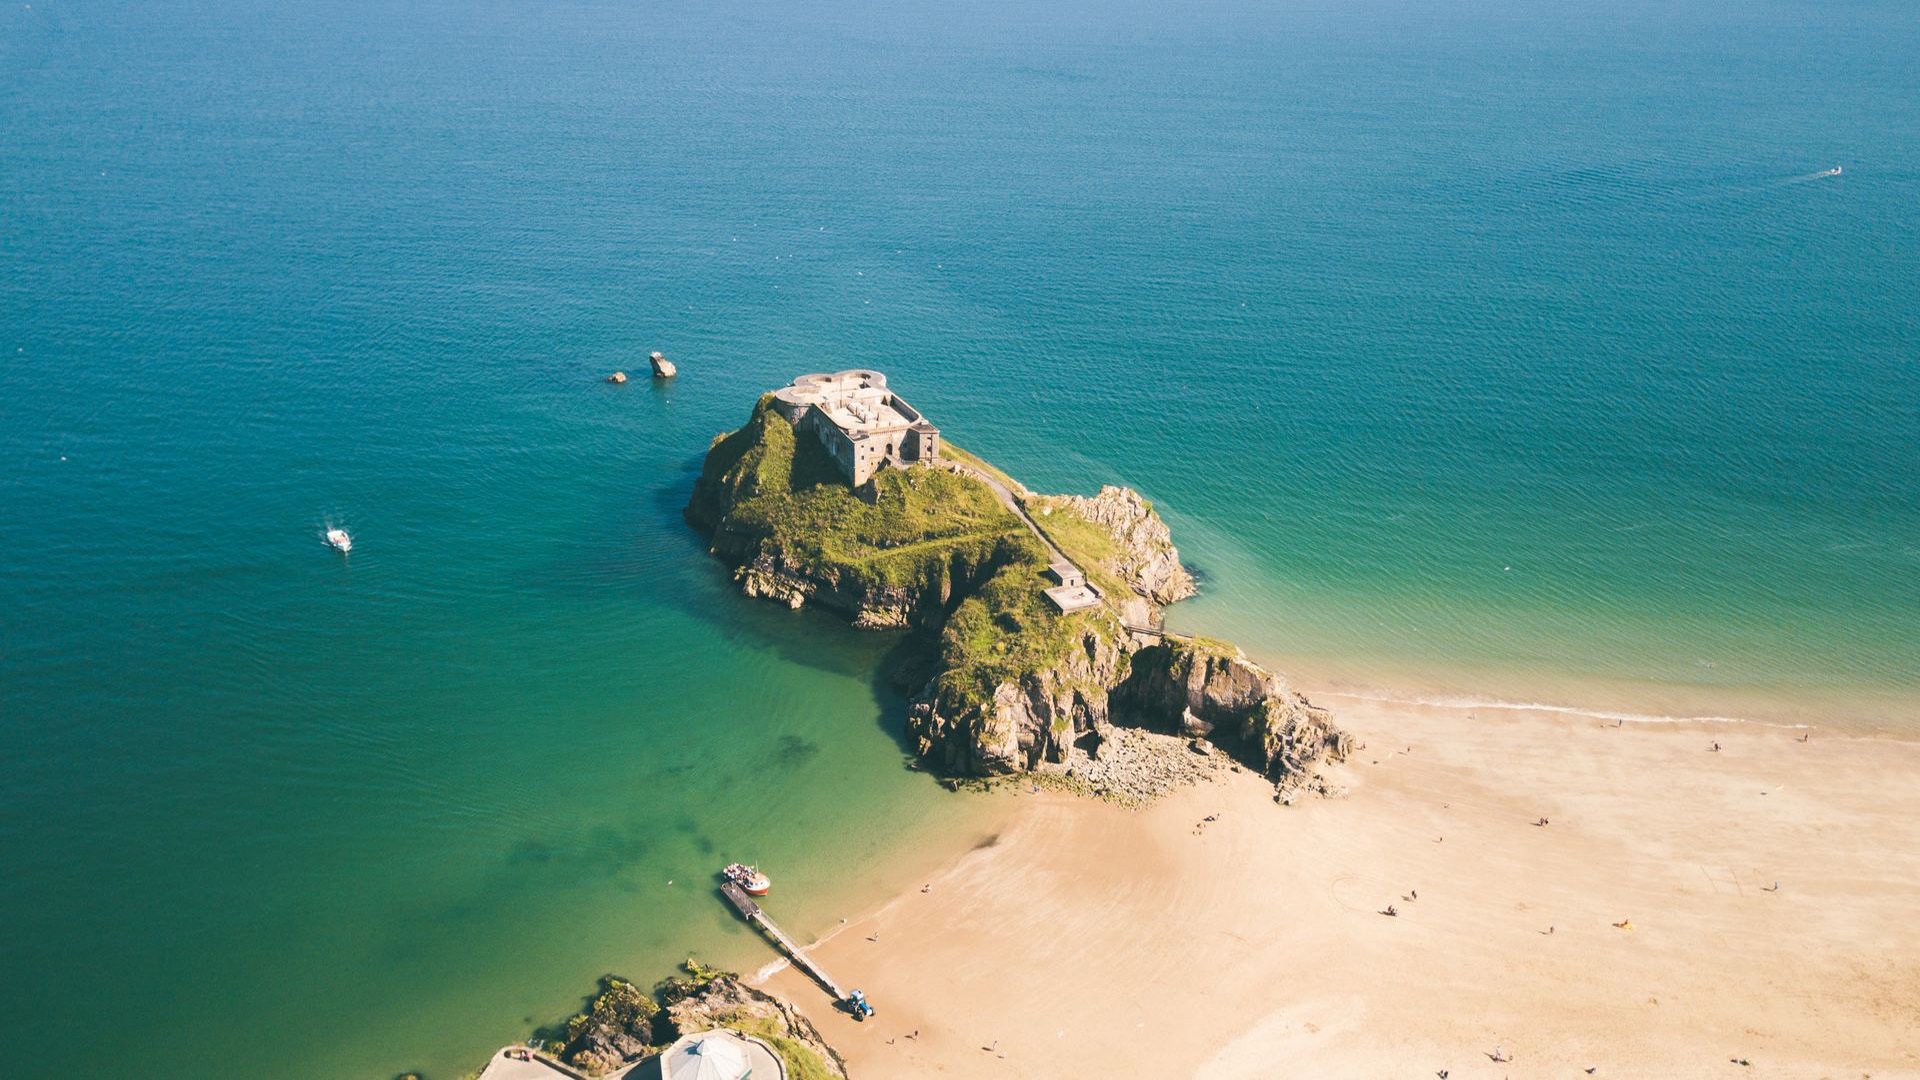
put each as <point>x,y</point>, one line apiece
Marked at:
<point>1211,690</point>
<point>1141,553</point>
<point>872,605</point>
<point>1026,717</point>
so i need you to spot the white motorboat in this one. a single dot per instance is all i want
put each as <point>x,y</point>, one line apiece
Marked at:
<point>338,540</point>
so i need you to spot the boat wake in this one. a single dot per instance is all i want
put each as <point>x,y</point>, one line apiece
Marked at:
<point>1821,175</point>
<point>1764,186</point>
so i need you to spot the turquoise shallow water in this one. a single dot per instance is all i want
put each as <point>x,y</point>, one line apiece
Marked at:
<point>1470,349</point>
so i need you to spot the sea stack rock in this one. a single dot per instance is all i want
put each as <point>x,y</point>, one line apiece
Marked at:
<point>662,367</point>
<point>617,377</point>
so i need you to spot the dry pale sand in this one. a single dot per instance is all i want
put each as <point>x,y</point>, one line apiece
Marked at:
<point>1090,941</point>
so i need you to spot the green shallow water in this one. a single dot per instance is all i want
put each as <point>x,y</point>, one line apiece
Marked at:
<point>1471,350</point>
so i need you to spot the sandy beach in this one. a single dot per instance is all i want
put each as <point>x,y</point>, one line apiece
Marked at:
<point>1089,940</point>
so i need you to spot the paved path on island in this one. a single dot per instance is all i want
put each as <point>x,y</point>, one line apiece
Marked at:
<point>1007,499</point>
<point>537,1067</point>
<point>1005,495</point>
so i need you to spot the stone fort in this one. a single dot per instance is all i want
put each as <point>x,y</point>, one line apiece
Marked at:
<point>862,424</point>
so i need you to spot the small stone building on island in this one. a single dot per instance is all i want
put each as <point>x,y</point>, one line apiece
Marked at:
<point>1070,591</point>
<point>862,424</point>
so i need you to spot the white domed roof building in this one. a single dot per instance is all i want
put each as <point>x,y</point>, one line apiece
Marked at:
<point>720,1055</point>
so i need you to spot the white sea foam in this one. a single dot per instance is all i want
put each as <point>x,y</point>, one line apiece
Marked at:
<point>1468,702</point>
<point>1821,175</point>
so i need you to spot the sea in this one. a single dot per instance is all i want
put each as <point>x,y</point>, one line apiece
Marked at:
<point>1503,351</point>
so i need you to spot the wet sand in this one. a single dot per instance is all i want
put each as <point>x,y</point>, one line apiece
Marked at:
<point>1089,940</point>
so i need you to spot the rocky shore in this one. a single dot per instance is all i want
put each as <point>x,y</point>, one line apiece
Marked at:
<point>1144,556</point>
<point>622,1023</point>
<point>1016,686</point>
<point>723,1001</point>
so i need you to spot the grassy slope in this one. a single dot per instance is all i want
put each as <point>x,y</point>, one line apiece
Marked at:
<point>965,457</point>
<point>785,492</point>
<point>767,482</point>
<point>802,1063</point>
<point>1092,548</point>
<point>1007,629</point>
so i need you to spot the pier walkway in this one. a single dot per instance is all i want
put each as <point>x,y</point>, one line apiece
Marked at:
<point>752,913</point>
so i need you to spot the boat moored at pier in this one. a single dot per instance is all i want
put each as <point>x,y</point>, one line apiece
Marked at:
<point>749,878</point>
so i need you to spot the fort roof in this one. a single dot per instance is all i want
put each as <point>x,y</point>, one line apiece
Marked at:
<point>856,400</point>
<point>861,422</point>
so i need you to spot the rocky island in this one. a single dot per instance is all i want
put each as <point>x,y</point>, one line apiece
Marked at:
<point>1033,621</point>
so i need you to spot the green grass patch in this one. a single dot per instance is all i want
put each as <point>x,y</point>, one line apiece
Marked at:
<point>781,493</point>
<point>966,457</point>
<point>1007,629</point>
<point>1091,547</point>
<point>781,488</point>
<point>801,1060</point>
<point>1207,646</point>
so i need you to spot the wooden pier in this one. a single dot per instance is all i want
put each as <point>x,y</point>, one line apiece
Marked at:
<point>752,913</point>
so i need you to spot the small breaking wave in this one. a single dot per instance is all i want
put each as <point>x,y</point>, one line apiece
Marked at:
<point>1451,702</point>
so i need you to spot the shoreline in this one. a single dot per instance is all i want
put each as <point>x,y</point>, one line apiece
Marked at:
<point>1472,705</point>
<point>1874,712</point>
<point>988,821</point>
<point>1252,928</point>
<point>1075,935</point>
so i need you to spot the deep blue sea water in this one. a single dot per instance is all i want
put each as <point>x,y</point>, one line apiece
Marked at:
<point>1499,349</point>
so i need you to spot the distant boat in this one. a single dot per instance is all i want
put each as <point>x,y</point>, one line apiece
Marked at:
<point>1835,171</point>
<point>338,540</point>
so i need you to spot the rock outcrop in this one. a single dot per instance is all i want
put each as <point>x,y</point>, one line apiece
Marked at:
<point>1210,690</point>
<point>724,1001</point>
<point>1029,717</point>
<point>871,605</point>
<point>1144,555</point>
<point>617,1027</point>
